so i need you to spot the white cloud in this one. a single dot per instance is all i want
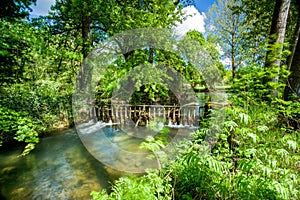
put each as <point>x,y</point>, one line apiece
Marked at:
<point>42,7</point>
<point>219,48</point>
<point>194,22</point>
<point>226,61</point>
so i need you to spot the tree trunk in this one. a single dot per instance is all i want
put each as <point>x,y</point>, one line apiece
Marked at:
<point>85,33</point>
<point>294,39</point>
<point>293,82</point>
<point>85,70</point>
<point>233,60</point>
<point>276,37</point>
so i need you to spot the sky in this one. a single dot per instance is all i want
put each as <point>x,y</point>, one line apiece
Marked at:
<point>203,5</point>
<point>196,22</point>
<point>42,6</point>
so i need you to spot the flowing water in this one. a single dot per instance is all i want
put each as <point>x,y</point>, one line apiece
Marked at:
<point>61,168</point>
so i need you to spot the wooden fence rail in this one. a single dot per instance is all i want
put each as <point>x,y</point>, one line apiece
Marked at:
<point>142,114</point>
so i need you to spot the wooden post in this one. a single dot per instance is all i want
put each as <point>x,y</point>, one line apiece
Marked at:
<point>174,119</point>
<point>189,117</point>
<point>134,112</point>
<point>112,115</point>
<point>120,114</point>
<point>105,114</point>
<point>178,115</point>
<point>125,115</point>
<point>101,113</point>
<point>116,111</point>
<point>184,117</point>
<point>117,115</point>
<point>130,112</point>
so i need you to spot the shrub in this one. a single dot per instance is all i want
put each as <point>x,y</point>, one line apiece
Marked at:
<point>16,125</point>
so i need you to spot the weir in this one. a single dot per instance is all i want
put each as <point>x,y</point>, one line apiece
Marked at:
<point>140,115</point>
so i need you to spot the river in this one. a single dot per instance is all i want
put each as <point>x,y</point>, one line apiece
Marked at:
<point>60,167</point>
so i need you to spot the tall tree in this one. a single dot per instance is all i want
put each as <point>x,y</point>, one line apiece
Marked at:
<point>257,22</point>
<point>294,27</point>
<point>15,40</point>
<point>225,22</point>
<point>14,50</point>
<point>293,82</point>
<point>94,20</point>
<point>276,37</point>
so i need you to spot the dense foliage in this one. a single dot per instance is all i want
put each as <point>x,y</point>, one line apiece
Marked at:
<point>256,156</point>
<point>39,68</point>
<point>36,79</point>
<point>256,149</point>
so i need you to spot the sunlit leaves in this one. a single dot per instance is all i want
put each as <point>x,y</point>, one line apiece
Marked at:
<point>18,126</point>
<point>292,144</point>
<point>253,137</point>
<point>244,118</point>
<point>262,128</point>
<point>231,125</point>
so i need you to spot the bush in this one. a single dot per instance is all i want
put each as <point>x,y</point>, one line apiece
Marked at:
<point>16,125</point>
<point>43,100</point>
<point>151,186</point>
<point>252,159</point>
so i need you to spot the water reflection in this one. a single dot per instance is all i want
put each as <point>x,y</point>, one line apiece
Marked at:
<point>119,147</point>
<point>59,168</point>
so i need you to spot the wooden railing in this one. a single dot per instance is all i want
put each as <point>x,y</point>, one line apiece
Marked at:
<point>189,114</point>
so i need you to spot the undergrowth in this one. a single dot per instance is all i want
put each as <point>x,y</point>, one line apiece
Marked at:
<point>255,157</point>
